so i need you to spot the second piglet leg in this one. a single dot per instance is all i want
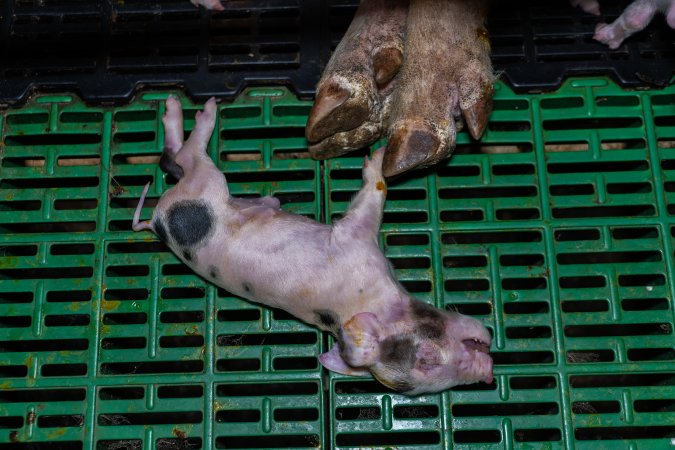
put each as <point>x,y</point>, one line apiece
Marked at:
<point>633,19</point>
<point>351,94</point>
<point>192,154</point>
<point>446,74</point>
<point>173,137</point>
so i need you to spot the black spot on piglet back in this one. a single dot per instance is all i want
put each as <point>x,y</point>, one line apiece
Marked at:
<point>213,272</point>
<point>159,229</point>
<point>190,222</point>
<point>187,255</point>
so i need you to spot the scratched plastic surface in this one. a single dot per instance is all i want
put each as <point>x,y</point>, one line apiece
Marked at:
<point>556,230</point>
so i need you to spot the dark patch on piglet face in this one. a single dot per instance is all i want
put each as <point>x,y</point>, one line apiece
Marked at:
<point>427,350</point>
<point>430,322</point>
<point>461,356</point>
<point>424,311</point>
<point>398,351</point>
<point>190,222</point>
<point>187,255</point>
<point>213,272</point>
<point>433,350</point>
<point>431,330</point>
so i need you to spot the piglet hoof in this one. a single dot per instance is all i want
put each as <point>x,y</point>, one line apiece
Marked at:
<point>208,115</point>
<point>606,34</point>
<point>208,4</point>
<point>372,169</point>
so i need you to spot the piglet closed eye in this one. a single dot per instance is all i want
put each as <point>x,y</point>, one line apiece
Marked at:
<point>334,277</point>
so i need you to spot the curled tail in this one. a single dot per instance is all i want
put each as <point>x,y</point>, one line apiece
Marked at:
<point>135,224</point>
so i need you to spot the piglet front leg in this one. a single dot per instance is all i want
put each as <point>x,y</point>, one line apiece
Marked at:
<point>353,92</point>
<point>446,74</point>
<point>633,19</point>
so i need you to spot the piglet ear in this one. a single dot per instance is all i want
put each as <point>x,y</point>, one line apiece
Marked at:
<point>361,340</point>
<point>333,361</point>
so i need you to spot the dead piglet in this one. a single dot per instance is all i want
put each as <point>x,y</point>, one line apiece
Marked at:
<point>334,277</point>
<point>446,74</point>
<point>634,18</point>
<point>357,81</point>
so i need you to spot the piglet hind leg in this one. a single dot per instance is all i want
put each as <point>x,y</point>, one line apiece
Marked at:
<point>180,157</point>
<point>173,137</point>
<point>446,74</point>
<point>193,150</point>
<point>633,19</point>
<point>187,159</point>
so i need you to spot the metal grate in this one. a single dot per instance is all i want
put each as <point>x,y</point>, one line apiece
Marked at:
<point>556,230</point>
<point>108,50</point>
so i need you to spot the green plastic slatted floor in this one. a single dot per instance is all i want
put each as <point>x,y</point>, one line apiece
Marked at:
<point>556,230</point>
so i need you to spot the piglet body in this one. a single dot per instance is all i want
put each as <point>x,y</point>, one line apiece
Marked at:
<point>334,277</point>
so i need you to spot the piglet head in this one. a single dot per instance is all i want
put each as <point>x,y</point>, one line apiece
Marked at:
<point>428,350</point>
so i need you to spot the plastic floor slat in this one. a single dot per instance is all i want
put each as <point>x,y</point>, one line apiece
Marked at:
<point>556,230</point>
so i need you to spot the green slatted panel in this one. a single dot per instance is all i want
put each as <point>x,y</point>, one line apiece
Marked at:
<point>556,230</point>
<point>157,357</point>
<point>553,230</point>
